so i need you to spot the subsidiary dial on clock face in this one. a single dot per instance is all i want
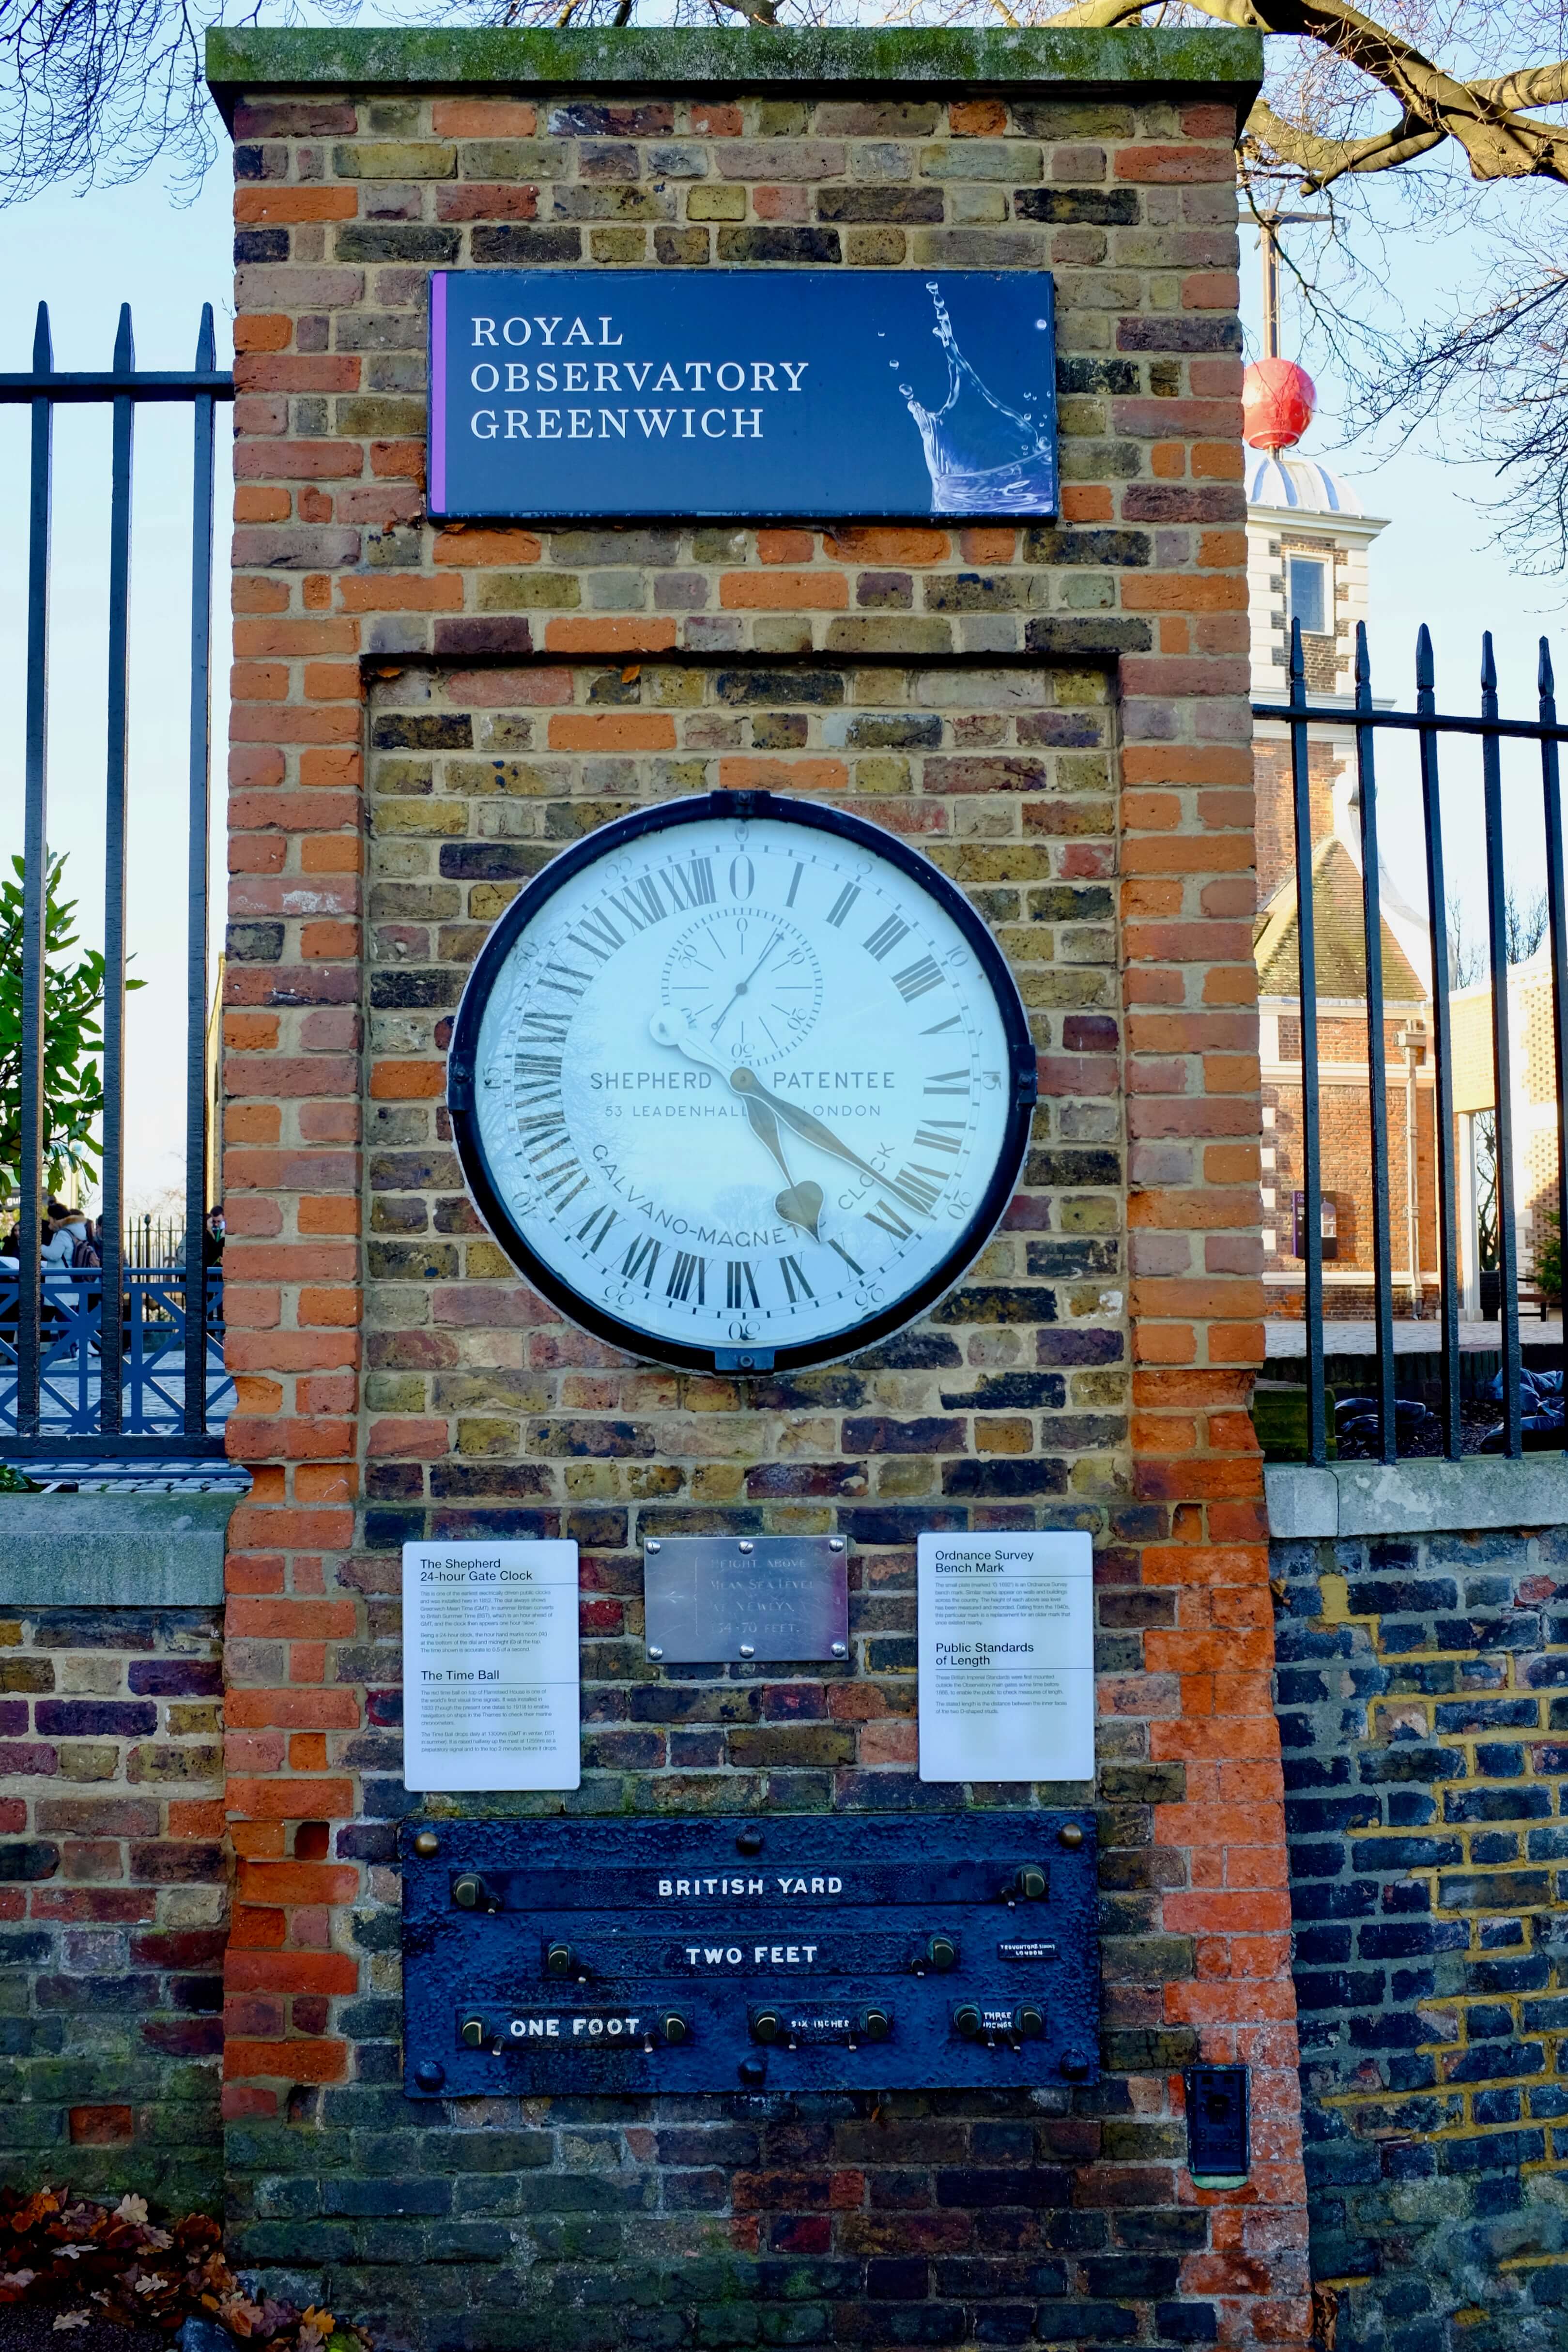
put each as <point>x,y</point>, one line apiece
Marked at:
<point>741,1084</point>
<point>750,990</point>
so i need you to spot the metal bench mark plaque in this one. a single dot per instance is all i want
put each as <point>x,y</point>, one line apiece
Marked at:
<point>797,1952</point>
<point>710,1597</point>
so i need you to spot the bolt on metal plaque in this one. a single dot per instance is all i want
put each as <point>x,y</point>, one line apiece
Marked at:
<point>711,1598</point>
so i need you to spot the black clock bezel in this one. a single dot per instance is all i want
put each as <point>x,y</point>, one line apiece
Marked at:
<point>705,809</point>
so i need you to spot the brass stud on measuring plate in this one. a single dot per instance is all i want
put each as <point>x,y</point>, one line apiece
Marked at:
<point>746,1546</point>
<point>654,1650</point>
<point>834,1543</point>
<point>652,1544</point>
<point>1070,1834</point>
<point>841,1649</point>
<point>427,1845</point>
<point>748,1649</point>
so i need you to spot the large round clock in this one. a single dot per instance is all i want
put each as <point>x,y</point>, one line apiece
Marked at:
<point>740,1082</point>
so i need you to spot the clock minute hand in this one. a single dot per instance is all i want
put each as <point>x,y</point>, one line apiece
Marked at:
<point>799,1204</point>
<point>751,1089</point>
<point>666,1030</point>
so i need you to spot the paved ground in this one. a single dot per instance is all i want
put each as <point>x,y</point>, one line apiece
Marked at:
<point>1287,1336</point>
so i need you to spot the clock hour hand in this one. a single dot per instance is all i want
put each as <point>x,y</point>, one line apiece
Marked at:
<point>751,1089</point>
<point>670,1029</point>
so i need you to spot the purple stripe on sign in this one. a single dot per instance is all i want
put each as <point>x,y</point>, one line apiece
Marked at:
<point>438,392</point>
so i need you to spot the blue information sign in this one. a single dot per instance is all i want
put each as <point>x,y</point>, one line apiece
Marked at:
<point>775,392</point>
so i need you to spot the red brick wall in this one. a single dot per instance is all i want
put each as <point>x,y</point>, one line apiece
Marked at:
<point>113,1900</point>
<point>1277,812</point>
<point>1344,1132</point>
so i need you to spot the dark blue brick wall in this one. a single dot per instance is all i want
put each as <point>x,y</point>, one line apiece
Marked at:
<point>1419,1693</point>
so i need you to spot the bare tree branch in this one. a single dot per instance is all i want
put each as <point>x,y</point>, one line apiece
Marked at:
<point>1322,161</point>
<point>1536,86</point>
<point>1484,118</point>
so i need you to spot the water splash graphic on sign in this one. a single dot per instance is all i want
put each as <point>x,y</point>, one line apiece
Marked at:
<point>983,456</point>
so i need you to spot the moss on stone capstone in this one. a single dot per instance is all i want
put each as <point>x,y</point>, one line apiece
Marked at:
<point>685,57</point>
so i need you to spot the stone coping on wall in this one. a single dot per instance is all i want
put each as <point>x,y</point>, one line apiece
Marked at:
<point>1375,1499</point>
<point>1220,62</point>
<point>113,1551</point>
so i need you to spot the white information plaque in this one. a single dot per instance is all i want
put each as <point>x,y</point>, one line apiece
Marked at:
<point>489,1666</point>
<point>1007,1657</point>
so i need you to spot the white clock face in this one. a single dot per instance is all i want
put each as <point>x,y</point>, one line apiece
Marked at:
<point>741,1084</point>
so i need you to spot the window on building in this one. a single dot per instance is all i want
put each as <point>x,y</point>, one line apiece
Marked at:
<point>1309,581</point>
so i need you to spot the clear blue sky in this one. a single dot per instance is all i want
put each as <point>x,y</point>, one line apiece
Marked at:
<point>86,255</point>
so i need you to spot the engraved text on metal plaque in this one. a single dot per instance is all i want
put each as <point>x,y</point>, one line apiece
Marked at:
<point>712,1597</point>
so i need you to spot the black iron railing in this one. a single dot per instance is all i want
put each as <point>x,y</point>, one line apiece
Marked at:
<point>1429,726</point>
<point>31,1419</point>
<point>155,1241</point>
<point>154,1333</point>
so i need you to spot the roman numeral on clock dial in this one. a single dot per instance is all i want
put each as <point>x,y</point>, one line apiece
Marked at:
<point>941,1134</point>
<point>886,937</point>
<point>921,1185</point>
<point>917,978</point>
<point>740,1284</point>
<point>688,1268</point>
<point>640,1260</point>
<point>537,1076</point>
<point>591,1233</point>
<point>796,1281</point>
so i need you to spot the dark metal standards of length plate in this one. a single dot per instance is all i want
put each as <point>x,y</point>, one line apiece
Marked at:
<point>708,1599</point>
<point>788,1952</point>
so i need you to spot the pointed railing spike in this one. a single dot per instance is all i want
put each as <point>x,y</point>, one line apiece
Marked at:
<point>206,345</point>
<point>1544,681</point>
<point>125,343</point>
<point>1425,672</point>
<point>1363,659</point>
<point>1297,659</point>
<point>1488,663</point>
<point>43,343</point>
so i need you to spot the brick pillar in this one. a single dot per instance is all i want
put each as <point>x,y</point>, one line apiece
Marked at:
<point>1080,764</point>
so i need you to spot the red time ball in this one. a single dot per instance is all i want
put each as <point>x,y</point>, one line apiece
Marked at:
<point>1277,402</point>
